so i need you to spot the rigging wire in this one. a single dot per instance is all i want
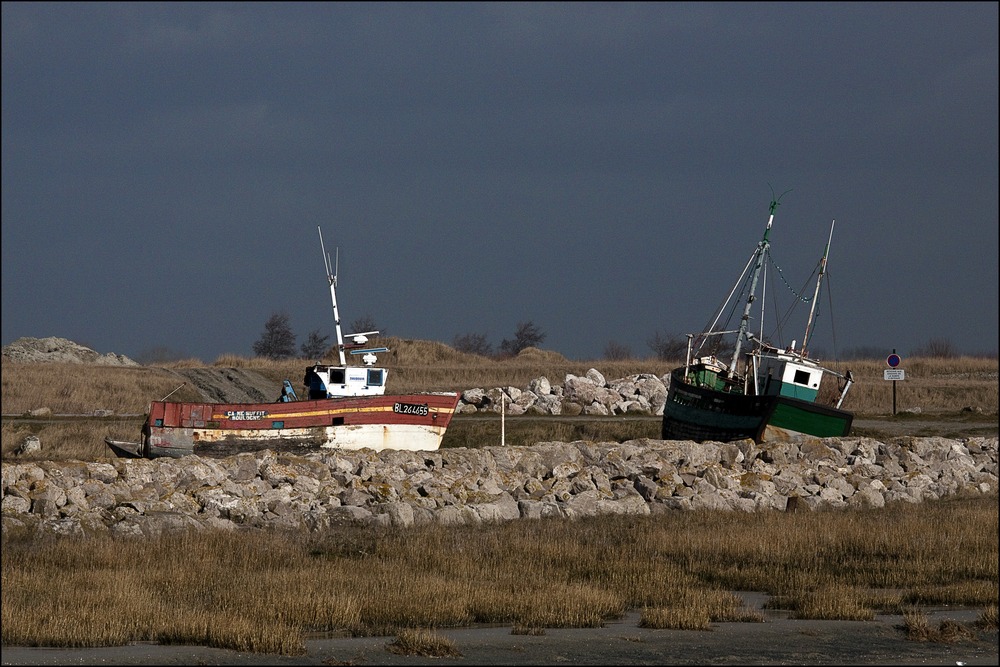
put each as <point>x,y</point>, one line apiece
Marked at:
<point>776,335</point>
<point>719,345</point>
<point>800,297</point>
<point>782,320</point>
<point>833,329</point>
<point>786,318</point>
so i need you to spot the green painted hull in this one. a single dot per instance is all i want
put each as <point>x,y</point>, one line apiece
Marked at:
<point>810,419</point>
<point>706,414</point>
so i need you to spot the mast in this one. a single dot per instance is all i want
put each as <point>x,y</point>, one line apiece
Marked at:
<point>761,251</point>
<point>332,279</point>
<point>819,280</point>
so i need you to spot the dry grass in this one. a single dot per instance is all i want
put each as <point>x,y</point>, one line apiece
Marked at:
<point>934,385</point>
<point>918,628</point>
<point>69,439</point>
<point>675,618</point>
<point>988,619</point>
<point>832,602</point>
<point>696,609</point>
<point>423,643</point>
<point>264,591</point>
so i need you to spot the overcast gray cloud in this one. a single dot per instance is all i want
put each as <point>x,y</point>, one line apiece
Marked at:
<point>602,170</point>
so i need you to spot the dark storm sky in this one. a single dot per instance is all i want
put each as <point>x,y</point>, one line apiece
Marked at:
<point>602,170</point>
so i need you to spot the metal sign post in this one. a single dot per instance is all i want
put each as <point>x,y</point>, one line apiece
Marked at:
<point>503,412</point>
<point>894,373</point>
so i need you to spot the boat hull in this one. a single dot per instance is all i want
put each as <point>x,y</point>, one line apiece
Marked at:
<point>793,417</point>
<point>124,449</point>
<point>415,422</point>
<point>703,414</point>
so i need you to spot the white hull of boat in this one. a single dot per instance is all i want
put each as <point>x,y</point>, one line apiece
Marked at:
<point>410,437</point>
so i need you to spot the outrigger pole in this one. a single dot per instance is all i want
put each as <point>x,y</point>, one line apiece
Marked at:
<point>819,280</point>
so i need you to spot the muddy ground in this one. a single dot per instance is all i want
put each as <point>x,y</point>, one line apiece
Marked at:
<point>231,385</point>
<point>777,641</point>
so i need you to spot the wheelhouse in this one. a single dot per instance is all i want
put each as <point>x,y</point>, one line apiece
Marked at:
<point>343,381</point>
<point>784,374</point>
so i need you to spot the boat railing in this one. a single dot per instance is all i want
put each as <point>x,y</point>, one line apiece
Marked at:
<point>703,337</point>
<point>781,355</point>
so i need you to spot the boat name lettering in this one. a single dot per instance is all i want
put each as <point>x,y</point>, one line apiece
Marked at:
<point>410,409</point>
<point>244,415</point>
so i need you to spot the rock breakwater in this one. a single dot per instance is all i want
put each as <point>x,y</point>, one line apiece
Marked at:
<point>589,394</point>
<point>470,485</point>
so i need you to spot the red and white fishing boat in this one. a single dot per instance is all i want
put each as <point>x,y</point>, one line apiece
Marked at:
<point>346,407</point>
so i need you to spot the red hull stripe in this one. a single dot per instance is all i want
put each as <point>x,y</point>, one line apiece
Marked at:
<point>405,409</point>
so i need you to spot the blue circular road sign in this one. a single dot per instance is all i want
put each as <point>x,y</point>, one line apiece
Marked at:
<point>893,360</point>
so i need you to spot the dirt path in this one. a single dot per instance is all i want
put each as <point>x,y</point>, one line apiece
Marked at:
<point>231,385</point>
<point>967,426</point>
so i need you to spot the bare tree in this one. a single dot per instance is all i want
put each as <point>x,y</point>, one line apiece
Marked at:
<point>473,343</point>
<point>315,346</point>
<point>615,351</point>
<point>527,335</point>
<point>668,346</point>
<point>366,323</point>
<point>277,341</point>
<point>940,348</point>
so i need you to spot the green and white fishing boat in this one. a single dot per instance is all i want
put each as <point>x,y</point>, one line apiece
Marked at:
<point>761,390</point>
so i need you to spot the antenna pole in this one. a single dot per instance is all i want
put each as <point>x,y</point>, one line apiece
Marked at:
<point>331,277</point>
<point>762,247</point>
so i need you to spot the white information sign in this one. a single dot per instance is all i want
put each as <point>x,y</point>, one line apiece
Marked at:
<point>894,374</point>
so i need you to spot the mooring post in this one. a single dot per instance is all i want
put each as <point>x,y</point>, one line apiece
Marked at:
<point>503,412</point>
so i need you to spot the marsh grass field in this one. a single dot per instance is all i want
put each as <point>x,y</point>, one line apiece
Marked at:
<point>268,593</point>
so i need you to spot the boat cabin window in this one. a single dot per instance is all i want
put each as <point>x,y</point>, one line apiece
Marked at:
<point>801,377</point>
<point>337,376</point>
<point>376,376</point>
